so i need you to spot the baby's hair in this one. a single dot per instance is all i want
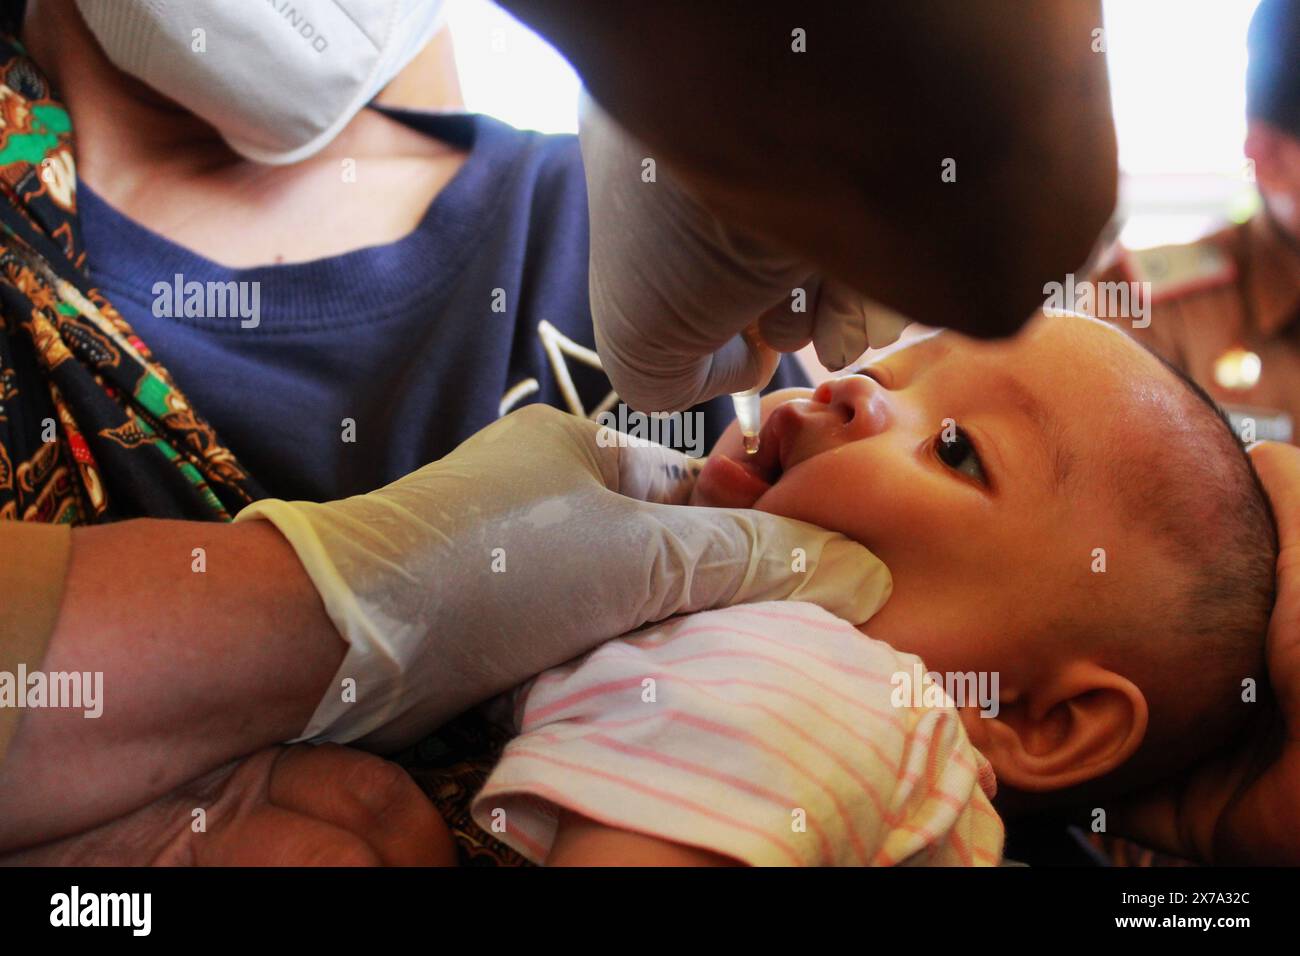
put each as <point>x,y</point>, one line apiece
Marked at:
<point>1208,509</point>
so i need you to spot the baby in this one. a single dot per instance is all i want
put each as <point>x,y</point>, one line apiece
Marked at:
<point>1062,510</point>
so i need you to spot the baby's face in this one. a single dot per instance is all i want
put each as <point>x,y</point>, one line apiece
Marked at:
<point>977,473</point>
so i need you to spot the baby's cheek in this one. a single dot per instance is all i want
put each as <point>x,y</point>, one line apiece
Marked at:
<point>867,497</point>
<point>805,498</point>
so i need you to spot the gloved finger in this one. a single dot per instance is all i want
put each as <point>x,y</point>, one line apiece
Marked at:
<point>788,325</point>
<point>846,325</point>
<point>735,367</point>
<point>884,326</point>
<point>646,376</point>
<point>564,451</point>
<point>555,446</point>
<point>840,326</point>
<point>766,357</point>
<point>652,472</point>
<point>699,558</point>
<point>670,285</point>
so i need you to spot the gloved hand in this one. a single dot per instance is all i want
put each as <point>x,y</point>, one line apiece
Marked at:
<point>672,288</point>
<point>532,542</point>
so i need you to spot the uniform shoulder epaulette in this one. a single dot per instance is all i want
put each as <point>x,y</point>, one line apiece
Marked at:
<point>1181,270</point>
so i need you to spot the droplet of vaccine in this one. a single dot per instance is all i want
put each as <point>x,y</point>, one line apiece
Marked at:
<point>1237,369</point>
<point>751,444</point>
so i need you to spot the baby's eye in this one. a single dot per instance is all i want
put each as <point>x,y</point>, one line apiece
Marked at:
<point>957,451</point>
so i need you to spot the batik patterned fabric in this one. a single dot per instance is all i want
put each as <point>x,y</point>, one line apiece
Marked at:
<point>92,428</point>
<point>450,766</point>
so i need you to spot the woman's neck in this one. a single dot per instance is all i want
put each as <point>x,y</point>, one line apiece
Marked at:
<point>172,172</point>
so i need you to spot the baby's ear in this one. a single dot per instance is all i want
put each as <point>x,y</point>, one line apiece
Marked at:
<point>1079,725</point>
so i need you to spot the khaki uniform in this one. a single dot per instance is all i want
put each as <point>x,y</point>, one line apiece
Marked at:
<point>1236,288</point>
<point>33,569</point>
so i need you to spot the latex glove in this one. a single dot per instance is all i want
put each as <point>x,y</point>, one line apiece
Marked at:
<point>526,546</point>
<point>672,288</point>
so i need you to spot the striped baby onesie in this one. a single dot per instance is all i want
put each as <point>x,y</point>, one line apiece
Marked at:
<point>763,732</point>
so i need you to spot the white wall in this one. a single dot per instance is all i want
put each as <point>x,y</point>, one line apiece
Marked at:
<point>1178,76</point>
<point>510,72</point>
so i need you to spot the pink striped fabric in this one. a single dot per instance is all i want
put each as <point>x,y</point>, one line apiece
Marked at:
<point>764,733</point>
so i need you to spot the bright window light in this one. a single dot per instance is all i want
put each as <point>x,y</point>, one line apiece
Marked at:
<point>508,71</point>
<point>1178,78</point>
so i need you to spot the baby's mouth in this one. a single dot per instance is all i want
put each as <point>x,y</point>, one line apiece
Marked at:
<point>740,481</point>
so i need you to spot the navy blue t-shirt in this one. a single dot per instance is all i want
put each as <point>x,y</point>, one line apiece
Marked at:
<point>401,339</point>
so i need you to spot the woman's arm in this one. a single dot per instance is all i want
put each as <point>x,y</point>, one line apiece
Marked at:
<point>202,667</point>
<point>199,667</point>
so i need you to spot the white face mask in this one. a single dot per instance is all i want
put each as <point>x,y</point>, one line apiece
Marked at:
<point>279,79</point>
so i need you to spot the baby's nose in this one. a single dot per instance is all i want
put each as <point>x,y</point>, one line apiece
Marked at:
<point>861,403</point>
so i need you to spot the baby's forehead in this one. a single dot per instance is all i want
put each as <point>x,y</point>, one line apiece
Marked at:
<point>1059,354</point>
<point>1076,333</point>
<point>1079,367</point>
<point>1096,393</point>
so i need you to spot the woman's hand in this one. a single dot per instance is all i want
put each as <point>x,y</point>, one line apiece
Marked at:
<point>1261,821</point>
<point>282,806</point>
<point>1244,806</point>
